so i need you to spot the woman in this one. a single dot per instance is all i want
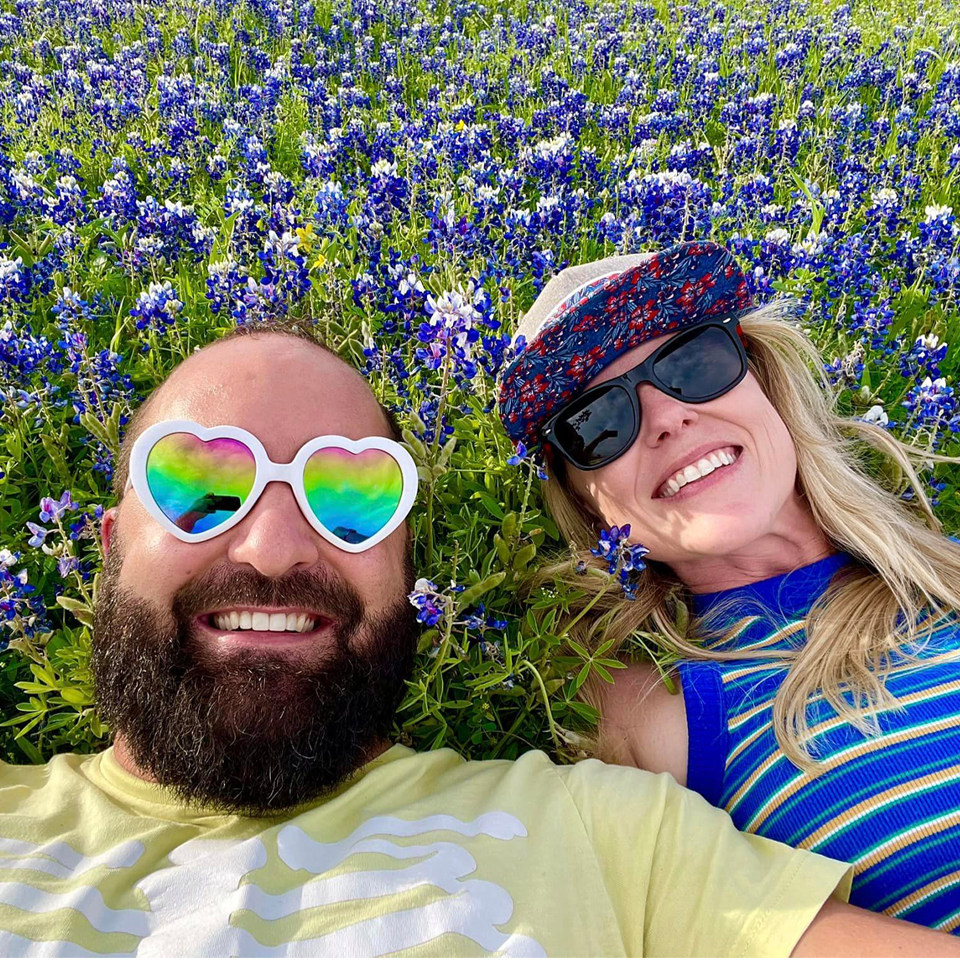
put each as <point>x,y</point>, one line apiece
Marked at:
<point>813,612</point>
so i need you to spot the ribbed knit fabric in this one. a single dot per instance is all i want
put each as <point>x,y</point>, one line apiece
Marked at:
<point>889,804</point>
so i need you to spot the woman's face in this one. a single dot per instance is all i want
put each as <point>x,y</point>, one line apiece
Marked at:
<point>723,511</point>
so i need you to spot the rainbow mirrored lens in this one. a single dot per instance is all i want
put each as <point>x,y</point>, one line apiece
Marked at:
<point>354,495</point>
<point>199,484</point>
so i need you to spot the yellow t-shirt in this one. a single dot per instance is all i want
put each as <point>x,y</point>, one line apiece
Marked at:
<point>421,854</point>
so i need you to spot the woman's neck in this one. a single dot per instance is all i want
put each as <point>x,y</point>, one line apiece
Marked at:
<point>795,541</point>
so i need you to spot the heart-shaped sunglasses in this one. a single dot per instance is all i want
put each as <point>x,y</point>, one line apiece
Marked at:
<point>198,482</point>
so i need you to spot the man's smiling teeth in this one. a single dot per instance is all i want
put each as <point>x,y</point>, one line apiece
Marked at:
<point>276,622</point>
<point>721,457</point>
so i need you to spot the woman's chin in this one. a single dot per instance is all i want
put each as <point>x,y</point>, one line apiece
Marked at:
<point>709,538</point>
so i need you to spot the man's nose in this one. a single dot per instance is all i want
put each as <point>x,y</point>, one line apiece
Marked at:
<point>662,416</point>
<point>275,537</point>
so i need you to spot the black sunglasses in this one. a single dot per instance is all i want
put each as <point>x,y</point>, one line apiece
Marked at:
<point>699,364</point>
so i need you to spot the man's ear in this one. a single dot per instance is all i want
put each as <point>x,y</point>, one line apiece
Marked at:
<point>107,521</point>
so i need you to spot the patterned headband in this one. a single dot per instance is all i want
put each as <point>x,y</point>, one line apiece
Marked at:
<point>616,305</point>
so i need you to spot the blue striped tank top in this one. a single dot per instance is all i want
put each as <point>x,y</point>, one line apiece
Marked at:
<point>888,803</point>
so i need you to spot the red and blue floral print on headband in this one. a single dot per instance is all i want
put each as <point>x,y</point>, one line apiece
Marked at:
<point>674,288</point>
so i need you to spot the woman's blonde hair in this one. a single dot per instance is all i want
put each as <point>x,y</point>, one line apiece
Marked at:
<point>904,563</point>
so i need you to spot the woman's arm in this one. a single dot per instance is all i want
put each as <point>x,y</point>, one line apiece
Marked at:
<point>644,725</point>
<point>840,930</point>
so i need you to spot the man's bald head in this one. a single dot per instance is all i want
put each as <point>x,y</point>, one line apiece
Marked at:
<point>255,338</point>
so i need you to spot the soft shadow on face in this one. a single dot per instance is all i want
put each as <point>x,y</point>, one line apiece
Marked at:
<point>249,732</point>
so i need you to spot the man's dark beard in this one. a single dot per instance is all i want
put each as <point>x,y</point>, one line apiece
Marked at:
<point>248,732</point>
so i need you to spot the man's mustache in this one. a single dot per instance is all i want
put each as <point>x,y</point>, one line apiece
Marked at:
<point>318,591</point>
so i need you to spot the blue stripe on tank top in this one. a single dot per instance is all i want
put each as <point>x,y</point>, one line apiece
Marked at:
<point>888,804</point>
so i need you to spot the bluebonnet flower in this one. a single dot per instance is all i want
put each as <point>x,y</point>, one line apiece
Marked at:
<point>478,622</point>
<point>14,279</point>
<point>452,330</point>
<point>430,603</point>
<point>285,274</point>
<point>216,166</point>
<point>932,406</point>
<point>923,358</point>
<point>156,307</point>
<point>85,525</point>
<point>21,611</point>
<point>877,415</point>
<point>38,534</point>
<point>522,454</point>
<point>886,207</point>
<point>939,228</point>
<point>625,560</point>
<point>70,309</point>
<point>118,198</point>
<point>332,206</point>
<point>67,203</point>
<point>224,280</point>
<point>51,509</point>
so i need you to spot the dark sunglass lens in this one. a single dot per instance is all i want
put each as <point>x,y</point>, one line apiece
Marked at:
<point>699,363</point>
<point>597,427</point>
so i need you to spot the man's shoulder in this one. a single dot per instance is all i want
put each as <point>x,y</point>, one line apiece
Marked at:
<point>532,774</point>
<point>12,772</point>
<point>62,773</point>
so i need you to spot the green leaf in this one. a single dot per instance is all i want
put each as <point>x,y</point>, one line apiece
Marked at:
<point>492,507</point>
<point>78,608</point>
<point>29,750</point>
<point>523,557</point>
<point>577,648</point>
<point>75,696</point>
<point>472,594</point>
<point>584,710</point>
<point>446,451</point>
<point>415,444</point>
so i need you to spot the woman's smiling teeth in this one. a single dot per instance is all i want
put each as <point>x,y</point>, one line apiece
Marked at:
<point>721,457</point>
<point>260,620</point>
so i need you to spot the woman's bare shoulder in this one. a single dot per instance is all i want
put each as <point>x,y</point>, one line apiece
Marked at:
<point>644,724</point>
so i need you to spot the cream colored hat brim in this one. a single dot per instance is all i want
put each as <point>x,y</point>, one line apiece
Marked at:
<point>567,282</point>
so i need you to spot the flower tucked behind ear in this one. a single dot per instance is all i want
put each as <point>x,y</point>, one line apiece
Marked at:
<point>624,559</point>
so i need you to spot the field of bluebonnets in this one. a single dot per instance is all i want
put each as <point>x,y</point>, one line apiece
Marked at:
<point>409,174</point>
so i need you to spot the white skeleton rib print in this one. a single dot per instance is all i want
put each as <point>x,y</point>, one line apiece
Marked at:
<point>192,900</point>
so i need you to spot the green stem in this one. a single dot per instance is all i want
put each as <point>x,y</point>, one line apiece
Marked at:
<point>526,496</point>
<point>583,612</point>
<point>521,716</point>
<point>546,702</point>
<point>444,647</point>
<point>441,403</point>
<point>429,523</point>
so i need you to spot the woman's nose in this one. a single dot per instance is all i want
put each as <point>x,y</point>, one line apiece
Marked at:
<point>661,416</point>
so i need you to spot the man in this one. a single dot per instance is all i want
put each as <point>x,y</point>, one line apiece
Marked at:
<point>251,804</point>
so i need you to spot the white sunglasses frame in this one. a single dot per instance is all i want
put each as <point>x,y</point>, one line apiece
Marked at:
<point>266,472</point>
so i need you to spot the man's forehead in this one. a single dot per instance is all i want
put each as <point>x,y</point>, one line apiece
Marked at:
<point>281,389</point>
